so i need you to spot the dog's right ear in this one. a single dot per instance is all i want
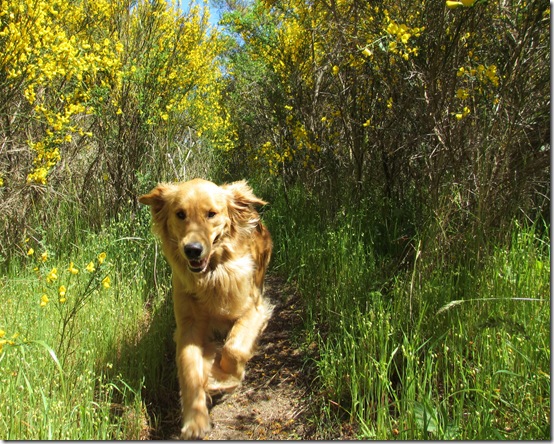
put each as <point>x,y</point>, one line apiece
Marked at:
<point>155,199</point>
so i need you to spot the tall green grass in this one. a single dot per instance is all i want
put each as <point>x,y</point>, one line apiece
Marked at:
<point>80,349</point>
<point>408,345</point>
<point>419,348</point>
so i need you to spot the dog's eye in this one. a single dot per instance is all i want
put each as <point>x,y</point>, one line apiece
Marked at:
<point>211,214</point>
<point>181,215</point>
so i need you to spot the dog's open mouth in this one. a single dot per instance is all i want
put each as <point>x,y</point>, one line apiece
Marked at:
<point>198,266</point>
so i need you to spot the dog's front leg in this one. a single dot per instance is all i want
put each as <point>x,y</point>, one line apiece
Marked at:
<point>190,366</point>
<point>241,340</point>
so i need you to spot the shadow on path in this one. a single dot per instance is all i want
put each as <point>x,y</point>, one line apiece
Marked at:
<point>270,402</point>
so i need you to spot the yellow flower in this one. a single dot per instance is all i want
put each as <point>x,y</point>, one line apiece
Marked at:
<point>90,267</point>
<point>61,292</point>
<point>405,37</point>
<point>44,256</point>
<point>462,93</point>
<point>466,111</point>
<point>106,282</point>
<point>335,70</point>
<point>72,269</point>
<point>367,52</point>
<point>44,300</point>
<point>30,252</point>
<point>101,257</point>
<point>491,74</point>
<point>2,333</point>
<point>52,276</point>
<point>452,4</point>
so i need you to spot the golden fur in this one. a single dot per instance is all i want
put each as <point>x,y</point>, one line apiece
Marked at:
<point>219,251</point>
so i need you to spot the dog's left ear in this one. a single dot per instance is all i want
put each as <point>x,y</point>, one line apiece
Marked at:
<point>241,204</point>
<point>242,195</point>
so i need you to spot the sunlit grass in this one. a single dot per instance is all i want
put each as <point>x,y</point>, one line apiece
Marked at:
<point>70,365</point>
<point>425,351</point>
<point>435,351</point>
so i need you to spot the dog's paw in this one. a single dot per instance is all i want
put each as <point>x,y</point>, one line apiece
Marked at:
<point>220,381</point>
<point>196,425</point>
<point>232,365</point>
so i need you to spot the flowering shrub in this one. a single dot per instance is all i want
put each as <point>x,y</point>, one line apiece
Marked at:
<point>91,89</point>
<point>53,61</point>
<point>397,98</point>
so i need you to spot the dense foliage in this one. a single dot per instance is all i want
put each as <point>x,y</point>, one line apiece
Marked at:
<point>96,93</point>
<point>406,144</point>
<point>441,109</point>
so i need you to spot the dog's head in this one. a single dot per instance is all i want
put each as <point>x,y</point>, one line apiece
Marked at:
<point>194,218</point>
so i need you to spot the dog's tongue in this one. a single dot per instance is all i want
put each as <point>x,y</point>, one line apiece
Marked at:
<point>197,265</point>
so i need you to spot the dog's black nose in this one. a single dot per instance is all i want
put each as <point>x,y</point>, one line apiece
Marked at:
<point>194,250</point>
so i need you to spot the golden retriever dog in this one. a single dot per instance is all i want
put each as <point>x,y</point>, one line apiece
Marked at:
<point>219,251</point>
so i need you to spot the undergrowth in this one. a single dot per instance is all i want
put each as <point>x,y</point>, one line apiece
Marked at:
<point>415,347</point>
<point>406,344</point>
<point>80,336</point>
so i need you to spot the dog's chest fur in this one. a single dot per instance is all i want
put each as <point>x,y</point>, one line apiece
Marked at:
<point>217,289</point>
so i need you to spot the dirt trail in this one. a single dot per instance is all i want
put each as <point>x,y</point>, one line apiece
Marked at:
<point>271,402</point>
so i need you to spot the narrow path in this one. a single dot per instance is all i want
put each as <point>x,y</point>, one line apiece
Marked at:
<point>271,402</point>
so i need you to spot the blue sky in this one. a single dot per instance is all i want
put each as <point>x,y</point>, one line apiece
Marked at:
<point>214,12</point>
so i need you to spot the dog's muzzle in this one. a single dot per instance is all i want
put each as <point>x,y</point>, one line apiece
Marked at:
<point>193,252</point>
